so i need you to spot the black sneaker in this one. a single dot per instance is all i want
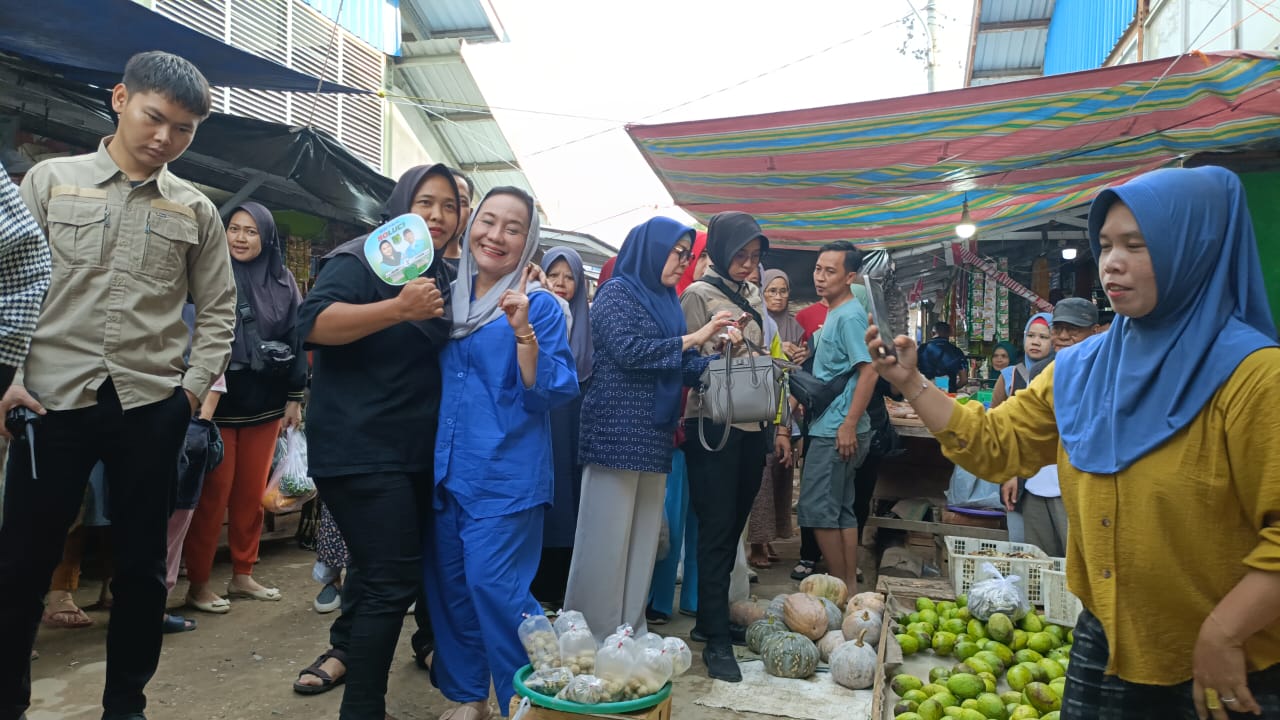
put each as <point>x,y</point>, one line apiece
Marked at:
<point>721,665</point>
<point>653,617</point>
<point>737,635</point>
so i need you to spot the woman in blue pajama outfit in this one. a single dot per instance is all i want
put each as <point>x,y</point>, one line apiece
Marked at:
<point>508,365</point>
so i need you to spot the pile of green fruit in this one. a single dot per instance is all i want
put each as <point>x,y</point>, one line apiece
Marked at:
<point>1031,656</point>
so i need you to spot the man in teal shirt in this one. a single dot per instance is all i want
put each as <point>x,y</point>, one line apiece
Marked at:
<point>840,437</point>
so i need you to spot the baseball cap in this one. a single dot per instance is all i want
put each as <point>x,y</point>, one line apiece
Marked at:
<point>1075,311</point>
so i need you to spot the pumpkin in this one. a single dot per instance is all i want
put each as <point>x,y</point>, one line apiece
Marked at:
<point>744,613</point>
<point>761,630</point>
<point>853,665</point>
<point>827,586</point>
<point>790,655</point>
<point>829,643</point>
<point>774,610</point>
<point>872,601</point>
<point>834,616</point>
<point>865,624</point>
<point>805,614</point>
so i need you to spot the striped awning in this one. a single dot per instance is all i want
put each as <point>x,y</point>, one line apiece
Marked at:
<point>894,173</point>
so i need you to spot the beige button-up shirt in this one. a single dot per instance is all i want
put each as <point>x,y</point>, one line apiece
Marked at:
<point>125,259</point>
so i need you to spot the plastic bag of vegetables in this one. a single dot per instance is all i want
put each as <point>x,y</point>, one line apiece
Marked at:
<point>998,594</point>
<point>540,642</point>
<point>549,682</point>
<point>681,656</point>
<point>647,641</point>
<point>578,648</point>
<point>652,671</point>
<point>615,662</point>
<point>565,618</point>
<point>585,689</point>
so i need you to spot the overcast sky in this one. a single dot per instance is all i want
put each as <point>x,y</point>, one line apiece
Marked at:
<point>607,63</point>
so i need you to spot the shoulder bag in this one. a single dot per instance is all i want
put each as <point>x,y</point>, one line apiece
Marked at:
<point>268,357</point>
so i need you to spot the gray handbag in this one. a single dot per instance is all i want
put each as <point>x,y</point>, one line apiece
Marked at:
<point>739,390</point>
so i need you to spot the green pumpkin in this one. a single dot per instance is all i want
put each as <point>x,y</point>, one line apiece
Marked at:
<point>835,617</point>
<point>762,630</point>
<point>790,655</point>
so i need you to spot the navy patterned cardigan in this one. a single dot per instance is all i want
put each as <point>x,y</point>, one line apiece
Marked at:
<point>618,430</point>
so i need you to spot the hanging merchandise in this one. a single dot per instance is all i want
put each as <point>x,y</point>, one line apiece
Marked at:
<point>1002,303</point>
<point>1003,278</point>
<point>1040,276</point>
<point>990,297</point>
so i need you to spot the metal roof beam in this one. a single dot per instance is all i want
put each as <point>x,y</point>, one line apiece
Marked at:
<point>427,60</point>
<point>995,73</point>
<point>1015,25</point>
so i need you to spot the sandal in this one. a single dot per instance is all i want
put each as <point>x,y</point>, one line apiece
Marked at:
<point>771,553</point>
<point>177,624</point>
<point>802,570</point>
<point>69,618</point>
<point>327,681</point>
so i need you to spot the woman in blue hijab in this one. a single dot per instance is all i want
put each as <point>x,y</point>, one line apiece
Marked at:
<point>644,355</point>
<point>1166,434</point>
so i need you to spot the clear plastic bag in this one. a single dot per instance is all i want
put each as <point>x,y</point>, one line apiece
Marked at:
<point>615,662</point>
<point>549,682</point>
<point>584,689</point>
<point>290,487</point>
<point>652,672</point>
<point>681,655</point>
<point>540,642</point>
<point>998,594</point>
<point>578,649</point>
<point>647,641</point>
<point>565,618</point>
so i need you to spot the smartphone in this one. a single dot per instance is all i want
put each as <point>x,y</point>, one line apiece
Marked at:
<point>743,319</point>
<point>880,315</point>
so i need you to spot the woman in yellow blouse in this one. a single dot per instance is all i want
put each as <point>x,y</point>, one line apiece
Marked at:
<point>1166,433</point>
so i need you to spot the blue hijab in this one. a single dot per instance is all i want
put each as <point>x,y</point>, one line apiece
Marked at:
<point>640,263</point>
<point>580,336</point>
<point>1122,394</point>
<point>1026,361</point>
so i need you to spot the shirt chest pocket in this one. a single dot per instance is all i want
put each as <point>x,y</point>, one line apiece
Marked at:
<point>167,239</point>
<point>77,230</point>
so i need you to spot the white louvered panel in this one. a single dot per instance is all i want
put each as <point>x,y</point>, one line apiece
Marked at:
<point>325,116</point>
<point>362,128</point>
<point>310,45</point>
<point>362,66</point>
<point>206,16</point>
<point>259,104</point>
<point>261,27</point>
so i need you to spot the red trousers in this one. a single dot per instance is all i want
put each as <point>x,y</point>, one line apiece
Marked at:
<point>233,490</point>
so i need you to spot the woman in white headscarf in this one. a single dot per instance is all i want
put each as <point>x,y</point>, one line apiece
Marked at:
<point>507,366</point>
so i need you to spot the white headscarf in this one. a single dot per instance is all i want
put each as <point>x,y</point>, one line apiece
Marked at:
<point>470,315</point>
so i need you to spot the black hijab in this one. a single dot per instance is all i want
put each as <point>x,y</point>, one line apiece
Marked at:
<point>399,204</point>
<point>269,286</point>
<point>729,232</point>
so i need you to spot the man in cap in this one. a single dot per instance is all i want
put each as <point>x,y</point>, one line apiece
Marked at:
<point>1074,319</point>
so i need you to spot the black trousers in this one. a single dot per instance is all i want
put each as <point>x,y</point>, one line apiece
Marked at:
<point>139,449</point>
<point>722,488</point>
<point>380,515</point>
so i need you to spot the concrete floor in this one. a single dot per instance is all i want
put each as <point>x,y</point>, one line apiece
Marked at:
<point>240,666</point>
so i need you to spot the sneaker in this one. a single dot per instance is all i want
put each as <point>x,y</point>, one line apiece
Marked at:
<point>721,665</point>
<point>329,599</point>
<point>653,617</point>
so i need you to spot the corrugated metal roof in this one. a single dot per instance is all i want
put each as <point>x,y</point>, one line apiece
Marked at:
<point>999,11</point>
<point>474,20</point>
<point>1010,51</point>
<point>376,22</point>
<point>1083,33</point>
<point>594,252</point>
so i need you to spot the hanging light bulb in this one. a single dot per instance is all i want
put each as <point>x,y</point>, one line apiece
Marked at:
<point>1068,253</point>
<point>965,229</point>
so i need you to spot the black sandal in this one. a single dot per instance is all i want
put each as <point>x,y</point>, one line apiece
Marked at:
<point>804,569</point>
<point>327,682</point>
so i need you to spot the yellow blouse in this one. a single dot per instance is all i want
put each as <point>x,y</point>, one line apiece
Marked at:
<point>1155,547</point>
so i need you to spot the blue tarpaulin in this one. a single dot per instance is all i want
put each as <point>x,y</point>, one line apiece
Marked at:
<point>92,41</point>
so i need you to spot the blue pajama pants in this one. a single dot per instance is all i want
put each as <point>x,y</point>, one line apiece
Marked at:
<point>477,576</point>
<point>683,527</point>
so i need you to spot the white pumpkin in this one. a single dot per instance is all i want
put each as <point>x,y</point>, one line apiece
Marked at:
<point>864,624</point>
<point>872,601</point>
<point>853,665</point>
<point>829,643</point>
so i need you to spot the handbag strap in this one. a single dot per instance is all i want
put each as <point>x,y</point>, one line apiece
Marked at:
<point>734,297</point>
<point>702,408</point>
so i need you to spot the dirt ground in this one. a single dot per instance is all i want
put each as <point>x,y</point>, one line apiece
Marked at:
<point>240,666</point>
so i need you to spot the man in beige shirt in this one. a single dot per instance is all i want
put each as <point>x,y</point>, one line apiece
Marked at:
<point>105,373</point>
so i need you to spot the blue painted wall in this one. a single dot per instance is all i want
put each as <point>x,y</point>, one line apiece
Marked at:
<point>1083,32</point>
<point>377,22</point>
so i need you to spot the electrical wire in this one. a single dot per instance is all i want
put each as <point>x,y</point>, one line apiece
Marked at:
<point>324,67</point>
